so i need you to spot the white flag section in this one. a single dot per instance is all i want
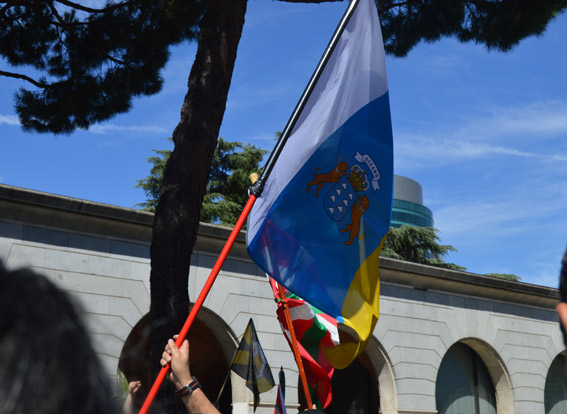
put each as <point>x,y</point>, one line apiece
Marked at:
<point>354,76</point>
<point>318,226</point>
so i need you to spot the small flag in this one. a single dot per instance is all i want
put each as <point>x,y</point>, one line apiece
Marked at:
<point>314,331</point>
<point>250,363</point>
<point>320,222</point>
<point>280,402</point>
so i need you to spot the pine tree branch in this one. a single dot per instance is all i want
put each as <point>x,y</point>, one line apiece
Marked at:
<point>309,1</point>
<point>88,9</point>
<point>89,48</point>
<point>11,4</point>
<point>470,9</point>
<point>381,6</point>
<point>23,77</point>
<point>67,3</point>
<point>483,3</point>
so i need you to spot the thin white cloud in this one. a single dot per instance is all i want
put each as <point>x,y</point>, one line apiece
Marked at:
<point>261,14</point>
<point>539,119</point>
<point>486,217</point>
<point>510,131</point>
<point>440,63</point>
<point>449,150</point>
<point>491,212</point>
<point>140,129</point>
<point>245,98</point>
<point>9,120</point>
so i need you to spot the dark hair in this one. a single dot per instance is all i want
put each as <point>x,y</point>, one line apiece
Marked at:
<point>563,279</point>
<point>47,362</point>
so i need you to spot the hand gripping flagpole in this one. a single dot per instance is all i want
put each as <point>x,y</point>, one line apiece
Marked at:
<point>199,302</point>
<point>255,192</point>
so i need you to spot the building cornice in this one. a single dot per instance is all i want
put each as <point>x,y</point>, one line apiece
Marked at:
<point>70,214</point>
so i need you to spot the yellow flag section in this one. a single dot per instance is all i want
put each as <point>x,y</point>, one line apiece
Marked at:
<point>250,363</point>
<point>361,311</point>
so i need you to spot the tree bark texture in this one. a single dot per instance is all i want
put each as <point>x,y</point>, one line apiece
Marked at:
<point>185,180</point>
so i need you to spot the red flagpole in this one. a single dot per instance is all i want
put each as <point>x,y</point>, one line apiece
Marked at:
<point>199,302</point>
<point>298,360</point>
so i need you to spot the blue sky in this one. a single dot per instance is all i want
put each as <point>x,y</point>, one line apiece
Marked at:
<point>484,133</point>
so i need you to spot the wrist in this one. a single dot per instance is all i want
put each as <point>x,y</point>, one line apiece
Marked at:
<point>188,389</point>
<point>182,381</point>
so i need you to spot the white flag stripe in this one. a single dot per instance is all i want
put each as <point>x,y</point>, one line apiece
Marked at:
<point>303,312</point>
<point>332,329</point>
<point>354,76</point>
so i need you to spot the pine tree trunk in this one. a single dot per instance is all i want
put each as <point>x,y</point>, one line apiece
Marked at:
<point>185,179</point>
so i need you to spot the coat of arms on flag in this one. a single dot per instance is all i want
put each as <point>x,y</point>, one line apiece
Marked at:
<point>346,193</point>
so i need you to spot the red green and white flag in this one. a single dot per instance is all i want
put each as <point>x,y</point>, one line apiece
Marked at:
<point>314,331</point>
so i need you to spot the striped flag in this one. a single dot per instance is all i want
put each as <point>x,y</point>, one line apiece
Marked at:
<point>250,363</point>
<point>280,402</point>
<point>319,224</point>
<point>315,331</point>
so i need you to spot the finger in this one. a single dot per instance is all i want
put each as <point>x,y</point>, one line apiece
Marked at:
<point>166,357</point>
<point>173,350</point>
<point>184,347</point>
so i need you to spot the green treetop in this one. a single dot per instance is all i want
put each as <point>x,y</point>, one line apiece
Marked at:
<point>417,245</point>
<point>227,190</point>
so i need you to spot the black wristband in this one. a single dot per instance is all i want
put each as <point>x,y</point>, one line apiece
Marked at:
<point>189,388</point>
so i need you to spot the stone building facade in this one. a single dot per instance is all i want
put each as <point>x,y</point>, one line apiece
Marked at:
<point>434,323</point>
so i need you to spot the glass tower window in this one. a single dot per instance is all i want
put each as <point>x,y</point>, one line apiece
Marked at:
<point>413,214</point>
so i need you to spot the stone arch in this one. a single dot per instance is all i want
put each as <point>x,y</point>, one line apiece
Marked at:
<point>212,348</point>
<point>497,372</point>
<point>385,375</point>
<point>555,391</point>
<point>375,362</point>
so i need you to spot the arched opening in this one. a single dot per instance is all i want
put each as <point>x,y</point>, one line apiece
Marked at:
<point>212,348</point>
<point>464,385</point>
<point>366,386</point>
<point>355,389</point>
<point>556,387</point>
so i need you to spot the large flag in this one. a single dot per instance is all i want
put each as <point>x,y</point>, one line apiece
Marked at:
<point>319,225</point>
<point>250,363</point>
<point>280,401</point>
<point>314,332</point>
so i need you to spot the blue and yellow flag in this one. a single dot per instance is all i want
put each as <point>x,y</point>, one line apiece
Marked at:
<point>319,225</point>
<point>251,364</point>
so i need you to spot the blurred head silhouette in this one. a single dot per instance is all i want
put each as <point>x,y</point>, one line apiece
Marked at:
<point>47,363</point>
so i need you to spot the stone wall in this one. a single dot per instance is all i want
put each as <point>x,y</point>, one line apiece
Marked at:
<point>100,254</point>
